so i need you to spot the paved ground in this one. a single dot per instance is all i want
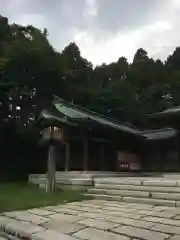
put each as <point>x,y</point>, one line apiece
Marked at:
<point>96,220</point>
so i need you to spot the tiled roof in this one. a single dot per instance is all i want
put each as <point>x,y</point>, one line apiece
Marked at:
<point>166,112</point>
<point>71,114</point>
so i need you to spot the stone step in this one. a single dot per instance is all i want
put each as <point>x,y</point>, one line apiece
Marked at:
<point>151,201</point>
<point>118,181</point>
<point>138,182</point>
<point>82,188</point>
<point>138,188</point>
<point>66,181</point>
<point>141,194</point>
<point>119,192</point>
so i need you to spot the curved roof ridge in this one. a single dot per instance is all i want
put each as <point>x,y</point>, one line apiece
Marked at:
<point>60,100</point>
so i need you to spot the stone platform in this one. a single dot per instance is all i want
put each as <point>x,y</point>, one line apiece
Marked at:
<point>146,188</point>
<point>82,180</point>
<point>95,220</point>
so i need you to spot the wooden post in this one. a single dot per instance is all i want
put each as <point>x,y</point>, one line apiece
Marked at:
<point>51,170</point>
<point>85,156</point>
<point>67,157</point>
<point>102,156</point>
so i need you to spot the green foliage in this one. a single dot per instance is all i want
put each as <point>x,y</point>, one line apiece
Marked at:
<point>31,72</point>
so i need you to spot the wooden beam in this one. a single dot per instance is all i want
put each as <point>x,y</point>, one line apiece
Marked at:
<point>101,140</point>
<point>85,155</point>
<point>102,155</point>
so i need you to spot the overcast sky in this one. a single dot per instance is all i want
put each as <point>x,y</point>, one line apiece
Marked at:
<point>104,30</point>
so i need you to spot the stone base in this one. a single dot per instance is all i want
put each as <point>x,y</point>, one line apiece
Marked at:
<point>80,179</point>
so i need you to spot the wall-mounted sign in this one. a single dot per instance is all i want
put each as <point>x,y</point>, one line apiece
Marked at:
<point>128,161</point>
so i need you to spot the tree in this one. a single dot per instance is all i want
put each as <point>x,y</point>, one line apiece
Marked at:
<point>140,55</point>
<point>173,72</point>
<point>31,64</point>
<point>76,72</point>
<point>173,61</point>
<point>32,72</point>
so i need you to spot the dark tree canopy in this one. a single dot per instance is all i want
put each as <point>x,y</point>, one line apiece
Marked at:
<point>32,72</point>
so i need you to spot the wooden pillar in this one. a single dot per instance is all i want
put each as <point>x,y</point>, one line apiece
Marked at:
<point>67,157</point>
<point>85,156</point>
<point>101,156</point>
<point>51,170</point>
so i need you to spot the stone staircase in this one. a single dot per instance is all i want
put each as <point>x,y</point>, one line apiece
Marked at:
<point>157,191</point>
<point>77,179</point>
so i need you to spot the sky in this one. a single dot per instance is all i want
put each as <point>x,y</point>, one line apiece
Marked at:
<point>104,30</point>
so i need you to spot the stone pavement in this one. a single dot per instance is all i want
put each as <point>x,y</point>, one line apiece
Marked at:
<point>95,220</point>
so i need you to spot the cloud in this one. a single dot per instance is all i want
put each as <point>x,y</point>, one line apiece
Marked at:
<point>126,15</point>
<point>157,33</point>
<point>103,29</point>
<point>121,44</point>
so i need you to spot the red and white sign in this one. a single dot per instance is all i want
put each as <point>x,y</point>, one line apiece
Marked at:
<point>128,161</point>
